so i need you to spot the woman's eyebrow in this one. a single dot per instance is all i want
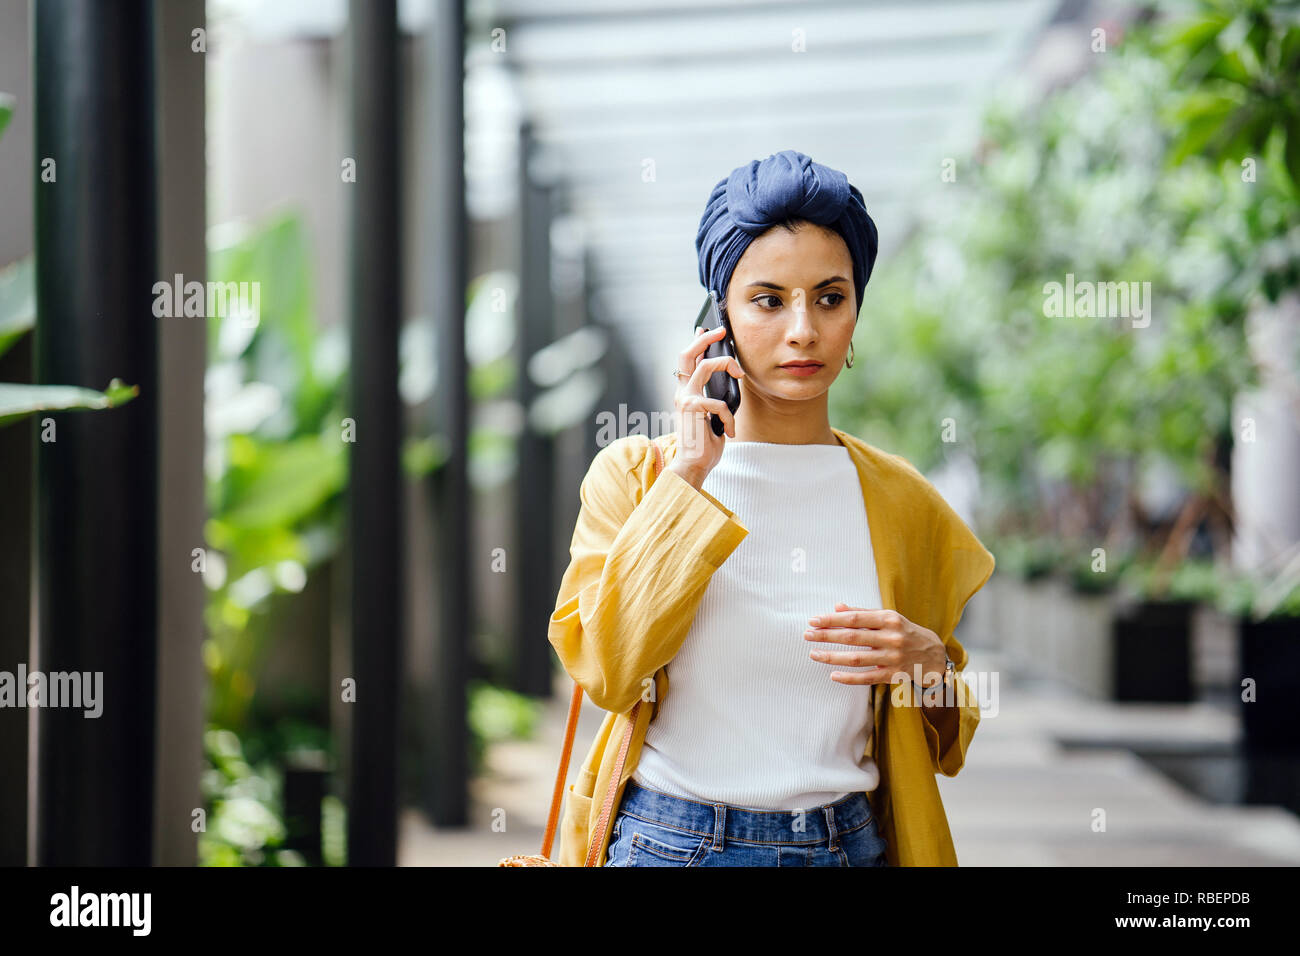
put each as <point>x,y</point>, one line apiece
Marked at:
<point>781,288</point>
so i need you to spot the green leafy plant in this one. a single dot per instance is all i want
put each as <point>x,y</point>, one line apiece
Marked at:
<point>1066,415</point>
<point>1236,62</point>
<point>1235,106</point>
<point>17,318</point>
<point>1262,595</point>
<point>1085,580</point>
<point>277,473</point>
<point>19,401</point>
<point>276,458</point>
<point>243,792</point>
<point>1028,558</point>
<point>497,714</point>
<point>1197,580</point>
<point>245,826</point>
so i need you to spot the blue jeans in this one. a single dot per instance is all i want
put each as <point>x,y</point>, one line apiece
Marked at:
<point>653,828</point>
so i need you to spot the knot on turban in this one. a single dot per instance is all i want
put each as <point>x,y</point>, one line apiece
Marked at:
<point>759,195</point>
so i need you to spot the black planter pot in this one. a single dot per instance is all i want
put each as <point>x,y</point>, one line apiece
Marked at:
<point>1269,653</point>
<point>1153,657</point>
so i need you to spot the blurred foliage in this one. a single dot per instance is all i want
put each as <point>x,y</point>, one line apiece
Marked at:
<point>1078,570</point>
<point>276,461</point>
<point>17,302</point>
<point>1025,557</point>
<point>276,455</point>
<point>1254,594</point>
<point>244,826</point>
<point>497,714</point>
<point>277,469</point>
<point>1195,579</point>
<point>1067,417</point>
<point>1247,596</point>
<point>1235,64</point>
<point>243,787</point>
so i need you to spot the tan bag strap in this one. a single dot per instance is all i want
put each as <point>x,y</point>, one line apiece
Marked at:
<point>575,705</point>
<point>607,805</point>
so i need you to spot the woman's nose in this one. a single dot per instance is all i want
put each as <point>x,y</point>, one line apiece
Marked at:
<point>801,329</point>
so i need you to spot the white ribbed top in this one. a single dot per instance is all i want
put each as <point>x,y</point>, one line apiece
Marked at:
<point>750,719</point>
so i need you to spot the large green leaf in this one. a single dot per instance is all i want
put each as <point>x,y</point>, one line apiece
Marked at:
<point>1203,116</point>
<point>17,302</point>
<point>1193,46</point>
<point>17,401</point>
<point>281,483</point>
<point>282,351</point>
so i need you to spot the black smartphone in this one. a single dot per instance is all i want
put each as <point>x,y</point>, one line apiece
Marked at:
<point>721,385</point>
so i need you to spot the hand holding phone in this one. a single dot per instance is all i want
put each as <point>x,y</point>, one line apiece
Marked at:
<point>720,385</point>
<point>714,371</point>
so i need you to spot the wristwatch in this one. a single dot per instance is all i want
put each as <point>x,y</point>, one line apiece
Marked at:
<point>949,673</point>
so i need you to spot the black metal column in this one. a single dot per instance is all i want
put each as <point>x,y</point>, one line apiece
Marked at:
<point>97,482</point>
<point>534,519</point>
<point>375,489</point>
<point>15,606</point>
<point>447,788</point>
<point>16,449</point>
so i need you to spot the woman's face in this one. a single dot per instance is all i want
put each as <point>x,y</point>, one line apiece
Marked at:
<point>791,299</point>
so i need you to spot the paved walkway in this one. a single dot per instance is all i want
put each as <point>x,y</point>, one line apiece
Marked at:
<point>1026,797</point>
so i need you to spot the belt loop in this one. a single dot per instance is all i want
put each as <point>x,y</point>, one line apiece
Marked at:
<point>830,826</point>
<point>719,826</point>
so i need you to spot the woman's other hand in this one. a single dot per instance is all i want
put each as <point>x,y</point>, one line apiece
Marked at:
<point>886,638</point>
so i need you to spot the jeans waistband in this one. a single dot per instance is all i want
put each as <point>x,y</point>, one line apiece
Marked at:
<point>819,824</point>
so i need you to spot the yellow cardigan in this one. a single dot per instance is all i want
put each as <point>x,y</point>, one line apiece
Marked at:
<point>642,554</point>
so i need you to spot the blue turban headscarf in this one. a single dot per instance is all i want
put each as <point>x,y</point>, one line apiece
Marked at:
<point>759,195</point>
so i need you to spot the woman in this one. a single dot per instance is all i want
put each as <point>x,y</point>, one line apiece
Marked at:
<point>777,621</point>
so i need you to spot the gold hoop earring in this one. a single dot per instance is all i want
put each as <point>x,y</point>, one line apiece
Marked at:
<point>848,363</point>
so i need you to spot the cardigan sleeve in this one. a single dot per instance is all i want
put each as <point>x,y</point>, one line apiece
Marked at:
<point>963,566</point>
<point>637,572</point>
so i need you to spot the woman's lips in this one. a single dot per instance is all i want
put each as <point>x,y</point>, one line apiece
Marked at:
<point>802,369</point>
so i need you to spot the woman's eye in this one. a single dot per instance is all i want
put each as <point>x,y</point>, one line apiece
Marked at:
<point>771,301</point>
